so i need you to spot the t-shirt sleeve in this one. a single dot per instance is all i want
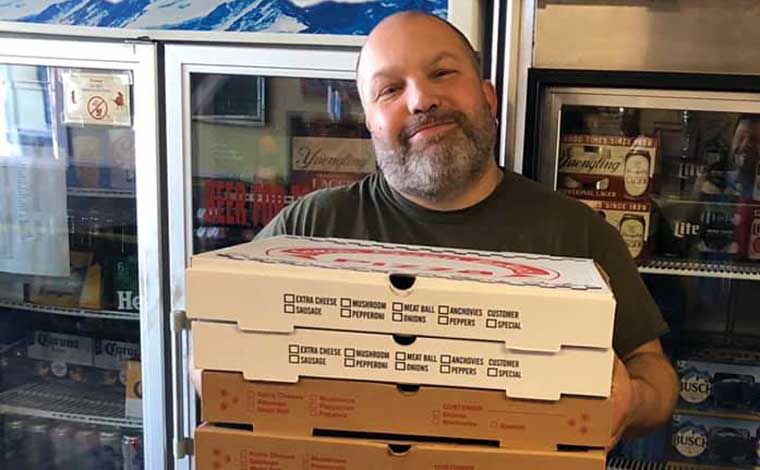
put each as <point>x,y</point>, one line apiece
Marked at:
<point>637,316</point>
<point>276,226</point>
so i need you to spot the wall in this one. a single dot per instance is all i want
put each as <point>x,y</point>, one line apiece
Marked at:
<point>721,36</point>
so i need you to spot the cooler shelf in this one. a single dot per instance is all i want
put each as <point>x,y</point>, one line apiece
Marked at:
<point>747,416</point>
<point>714,269</point>
<point>68,403</point>
<point>625,464</point>
<point>102,193</point>
<point>71,311</point>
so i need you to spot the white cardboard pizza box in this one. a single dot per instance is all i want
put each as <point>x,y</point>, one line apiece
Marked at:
<point>530,302</point>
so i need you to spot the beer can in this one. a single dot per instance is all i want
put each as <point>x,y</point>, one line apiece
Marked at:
<point>36,444</point>
<point>109,453</point>
<point>62,444</point>
<point>132,452</point>
<point>13,437</point>
<point>86,448</point>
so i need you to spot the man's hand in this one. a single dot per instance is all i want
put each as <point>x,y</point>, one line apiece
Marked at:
<point>644,392</point>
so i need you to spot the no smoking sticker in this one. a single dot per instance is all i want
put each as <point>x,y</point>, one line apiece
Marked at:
<point>97,99</point>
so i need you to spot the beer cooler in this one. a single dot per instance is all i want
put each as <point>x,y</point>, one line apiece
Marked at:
<point>80,275</point>
<point>250,129</point>
<point>673,162</point>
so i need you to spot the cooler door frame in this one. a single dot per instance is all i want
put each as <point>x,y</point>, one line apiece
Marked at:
<point>180,62</point>
<point>140,58</point>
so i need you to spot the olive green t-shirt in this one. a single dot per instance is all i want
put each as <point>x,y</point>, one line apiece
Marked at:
<point>520,216</point>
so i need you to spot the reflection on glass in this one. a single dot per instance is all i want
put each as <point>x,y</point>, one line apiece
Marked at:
<point>259,143</point>
<point>68,266</point>
<point>692,178</point>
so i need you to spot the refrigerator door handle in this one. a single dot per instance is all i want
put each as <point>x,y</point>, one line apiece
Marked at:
<point>180,325</point>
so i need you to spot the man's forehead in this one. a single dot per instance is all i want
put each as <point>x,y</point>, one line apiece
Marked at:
<point>412,35</point>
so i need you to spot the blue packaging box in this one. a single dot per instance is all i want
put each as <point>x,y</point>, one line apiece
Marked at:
<point>718,386</point>
<point>715,441</point>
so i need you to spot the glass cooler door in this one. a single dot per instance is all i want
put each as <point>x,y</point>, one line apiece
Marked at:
<point>70,294</point>
<point>678,175</point>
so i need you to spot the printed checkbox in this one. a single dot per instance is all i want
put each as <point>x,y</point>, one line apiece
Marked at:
<point>345,313</point>
<point>400,366</point>
<point>345,302</point>
<point>293,348</point>
<point>397,307</point>
<point>290,308</point>
<point>400,356</point>
<point>492,372</point>
<point>398,317</point>
<point>349,352</point>
<point>349,362</point>
<point>443,310</point>
<point>443,320</point>
<point>289,298</point>
<point>445,359</point>
<point>445,369</point>
<point>491,323</point>
<point>293,359</point>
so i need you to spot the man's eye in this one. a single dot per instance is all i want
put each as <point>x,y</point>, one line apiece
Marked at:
<point>389,90</point>
<point>442,73</point>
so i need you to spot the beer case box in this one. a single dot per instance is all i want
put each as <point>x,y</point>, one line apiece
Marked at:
<point>715,441</point>
<point>133,395</point>
<point>241,449</point>
<point>531,302</point>
<point>317,353</point>
<point>311,405</point>
<point>750,233</point>
<point>606,167</point>
<point>630,218</point>
<point>701,230</point>
<point>718,386</point>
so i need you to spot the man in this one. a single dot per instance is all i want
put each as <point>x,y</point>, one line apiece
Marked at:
<point>738,176</point>
<point>432,123</point>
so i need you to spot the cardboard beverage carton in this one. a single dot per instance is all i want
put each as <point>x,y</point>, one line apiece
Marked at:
<point>606,167</point>
<point>240,449</point>
<point>531,302</point>
<point>312,406</point>
<point>718,386</point>
<point>631,219</point>
<point>378,357</point>
<point>715,441</point>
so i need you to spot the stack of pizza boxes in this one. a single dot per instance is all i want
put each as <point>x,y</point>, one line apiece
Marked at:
<point>343,354</point>
<point>613,176</point>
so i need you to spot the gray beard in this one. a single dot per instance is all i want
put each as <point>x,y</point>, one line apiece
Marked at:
<point>440,168</point>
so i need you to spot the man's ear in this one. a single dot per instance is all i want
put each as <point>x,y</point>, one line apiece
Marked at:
<point>489,92</point>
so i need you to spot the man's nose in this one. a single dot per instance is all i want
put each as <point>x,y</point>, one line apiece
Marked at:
<point>422,98</point>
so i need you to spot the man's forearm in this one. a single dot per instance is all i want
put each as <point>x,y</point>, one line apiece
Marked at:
<point>655,392</point>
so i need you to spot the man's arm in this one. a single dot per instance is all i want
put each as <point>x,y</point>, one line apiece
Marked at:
<point>644,391</point>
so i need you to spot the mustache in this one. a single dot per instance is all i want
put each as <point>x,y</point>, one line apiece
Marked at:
<point>429,119</point>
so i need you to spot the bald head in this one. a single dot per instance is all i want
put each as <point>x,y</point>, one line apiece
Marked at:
<point>407,25</point>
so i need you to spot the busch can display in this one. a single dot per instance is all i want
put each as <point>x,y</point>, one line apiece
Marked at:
<point>132,452</point>
<point>715,441</point>
<point>716,386</point>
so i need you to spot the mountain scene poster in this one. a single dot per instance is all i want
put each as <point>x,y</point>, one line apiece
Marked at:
<point>345,17</point>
